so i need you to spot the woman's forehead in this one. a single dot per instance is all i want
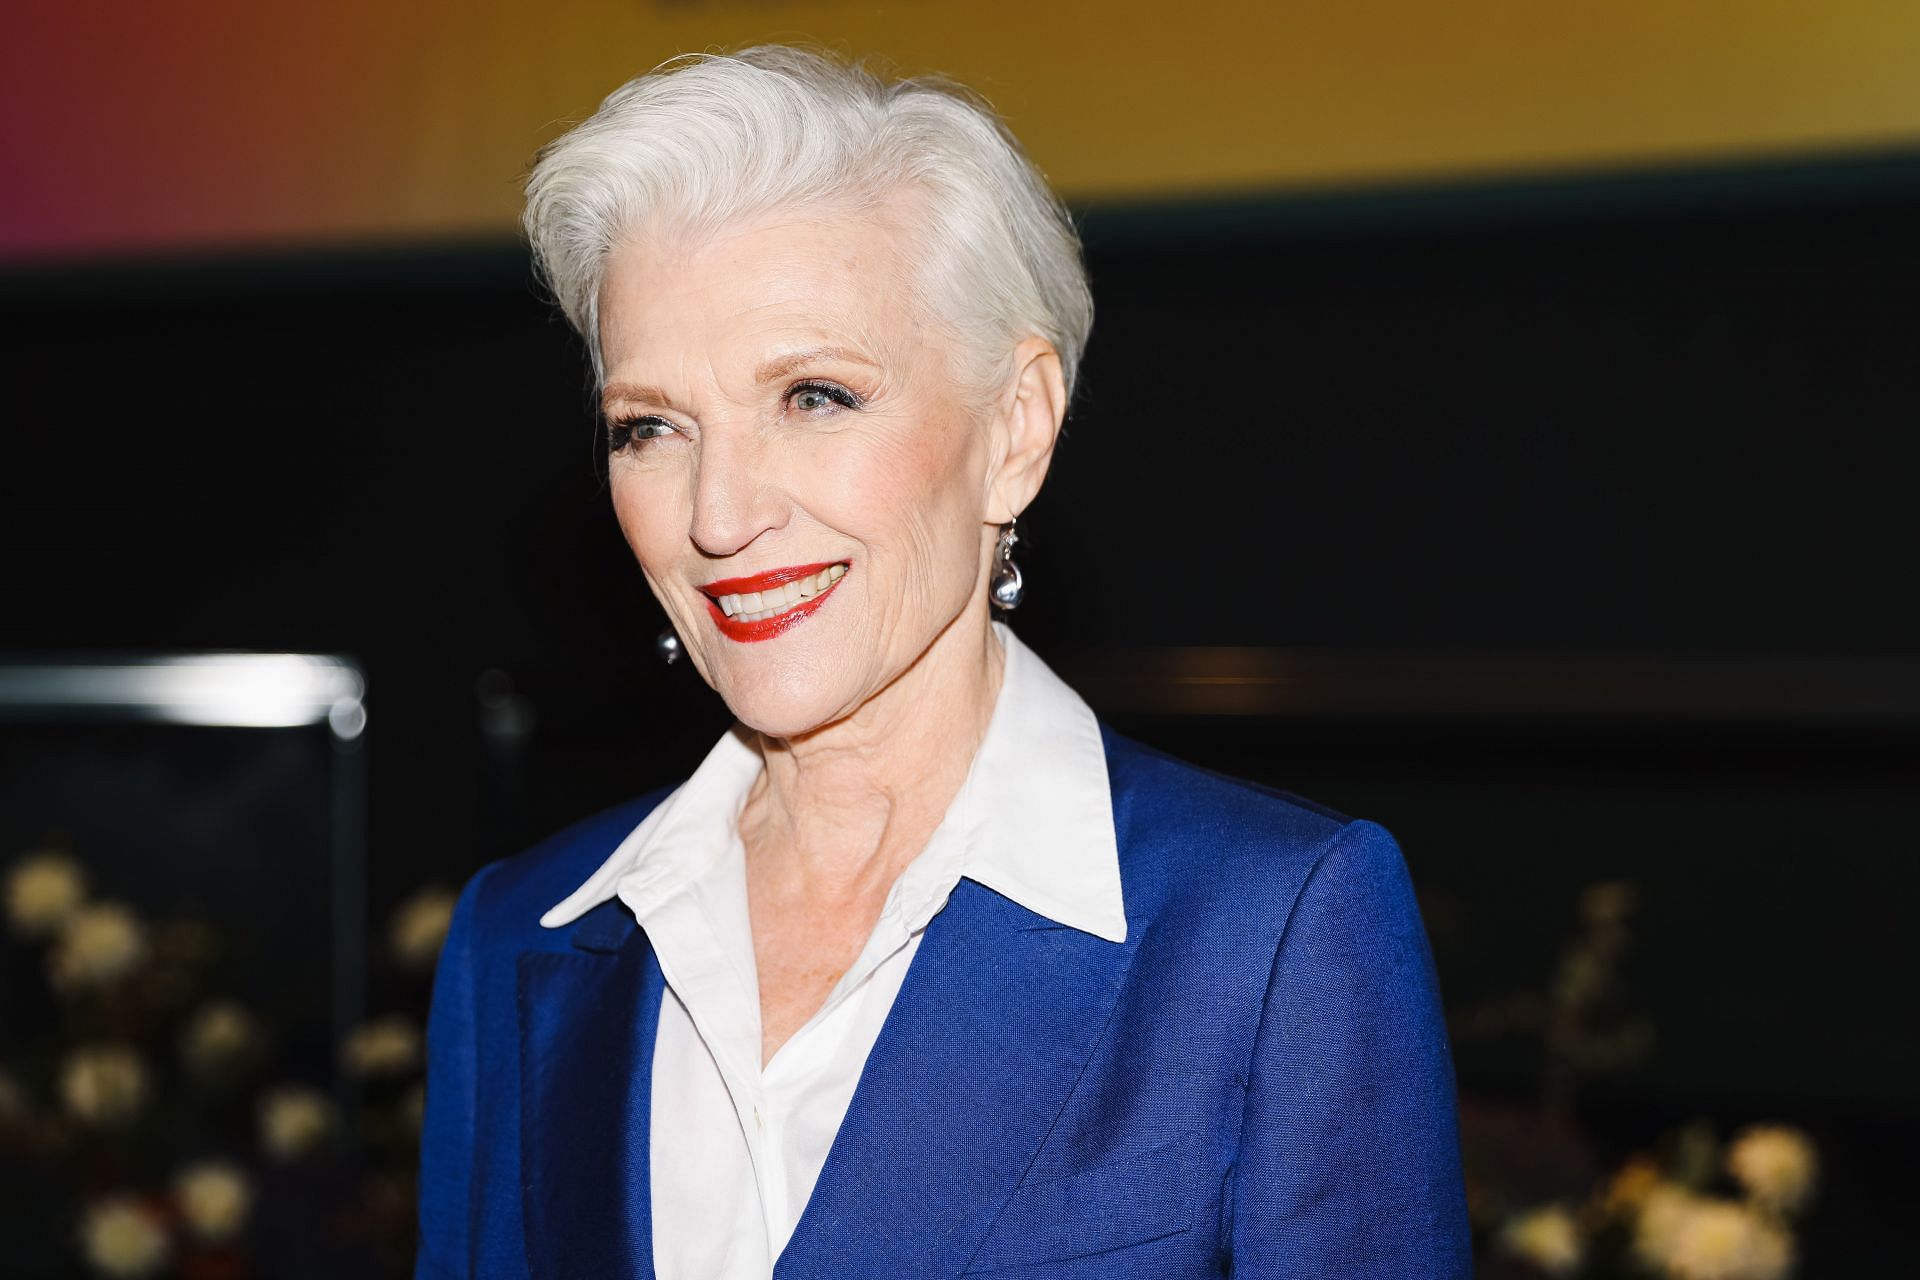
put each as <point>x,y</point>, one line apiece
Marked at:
<point>757,297</point>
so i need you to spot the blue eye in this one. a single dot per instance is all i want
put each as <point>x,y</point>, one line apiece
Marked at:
<point>622,432</point>
<point>813,397</point>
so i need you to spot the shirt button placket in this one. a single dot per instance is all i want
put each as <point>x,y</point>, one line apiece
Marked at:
<point>776,1201</point>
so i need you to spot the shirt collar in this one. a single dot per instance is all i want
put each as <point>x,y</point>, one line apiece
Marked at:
<point>1034,817</point>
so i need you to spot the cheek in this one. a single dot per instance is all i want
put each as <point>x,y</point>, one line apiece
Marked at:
<point>648,504</point>
<point>912,496</point>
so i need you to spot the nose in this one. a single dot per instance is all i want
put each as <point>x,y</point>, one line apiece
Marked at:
<point>736,496</point>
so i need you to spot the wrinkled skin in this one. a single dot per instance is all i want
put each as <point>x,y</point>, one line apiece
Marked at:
<point>741,476</point>
<point>869,710</point>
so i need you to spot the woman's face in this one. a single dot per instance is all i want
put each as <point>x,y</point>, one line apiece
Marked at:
<point>805,490</point>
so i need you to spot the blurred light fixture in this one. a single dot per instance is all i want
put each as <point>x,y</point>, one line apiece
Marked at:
<point>237,690</point>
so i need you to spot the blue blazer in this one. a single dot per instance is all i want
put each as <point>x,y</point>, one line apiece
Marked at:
<point>1256,1081</point>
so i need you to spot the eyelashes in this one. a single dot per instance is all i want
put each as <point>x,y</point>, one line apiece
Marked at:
<point>830,390</point>
<point>634,432</point>
<point>622,432</point>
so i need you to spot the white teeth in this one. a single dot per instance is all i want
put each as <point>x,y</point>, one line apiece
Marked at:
<point>752,606</point>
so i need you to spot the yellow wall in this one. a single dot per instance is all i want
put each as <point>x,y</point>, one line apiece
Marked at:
<point>1132,97</point>
<point>368,118</point>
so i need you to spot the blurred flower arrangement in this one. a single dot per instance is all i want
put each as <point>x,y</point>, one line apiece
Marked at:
<point>1690,1208</point>
<point>145,1130</point>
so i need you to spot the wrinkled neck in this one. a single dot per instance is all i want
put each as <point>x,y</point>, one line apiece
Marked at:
<point>838,812</point>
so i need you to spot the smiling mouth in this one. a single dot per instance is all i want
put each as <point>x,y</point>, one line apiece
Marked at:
<point>767,604</point>
<point>776,598</point>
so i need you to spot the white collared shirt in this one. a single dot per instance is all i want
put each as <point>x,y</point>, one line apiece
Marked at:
<point>736,1149</point>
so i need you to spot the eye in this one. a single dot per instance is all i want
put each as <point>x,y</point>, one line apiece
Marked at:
<point>817,397</point>
<point>622,432</point>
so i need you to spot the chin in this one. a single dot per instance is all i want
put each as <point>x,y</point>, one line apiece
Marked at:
<point>782,700</point>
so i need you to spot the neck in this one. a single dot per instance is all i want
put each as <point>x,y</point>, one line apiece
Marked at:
<point>839,811</point>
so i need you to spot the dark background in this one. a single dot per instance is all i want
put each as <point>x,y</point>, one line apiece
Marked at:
<point>1566,528</point>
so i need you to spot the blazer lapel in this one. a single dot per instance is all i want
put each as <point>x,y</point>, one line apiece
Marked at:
<point>587,1023</point>
<point>994,1023</point>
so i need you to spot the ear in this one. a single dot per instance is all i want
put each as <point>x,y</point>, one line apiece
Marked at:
<point>1025,426</point>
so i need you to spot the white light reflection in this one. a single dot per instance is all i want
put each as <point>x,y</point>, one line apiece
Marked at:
<point>239,690</point>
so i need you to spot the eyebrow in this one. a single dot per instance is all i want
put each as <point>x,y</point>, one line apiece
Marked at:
<point>626,392</point>
<point>782,365</point>
<point>770,371</point>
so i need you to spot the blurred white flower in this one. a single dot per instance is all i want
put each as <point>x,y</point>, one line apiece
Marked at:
<point>214,1199</point>
<point>103,1084</point>
<point>121,1237</point>
<point>1547,1237</point>
<point>1663,1207</point>
<point>43,889</point>
<point>1637,1179</point>
<point>387,1046</point>
<point>1776,1164</point>
<point>219,1034</point>
<point>98,944</point>
<point>293,1120</point>
<point>1695,1237</point>
<point>419,926</point>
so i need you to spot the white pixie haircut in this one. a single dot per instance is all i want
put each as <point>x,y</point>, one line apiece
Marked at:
<point>705,139</point>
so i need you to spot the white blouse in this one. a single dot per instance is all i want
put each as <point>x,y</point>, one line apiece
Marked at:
<point>735,1149</point>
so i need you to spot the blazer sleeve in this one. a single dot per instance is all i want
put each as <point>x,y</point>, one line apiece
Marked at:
<point>446,1135</point>
<point>1349,1158</point>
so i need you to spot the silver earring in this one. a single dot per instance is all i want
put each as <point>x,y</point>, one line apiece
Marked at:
<point>667,645</point>
<point>1008,589</point>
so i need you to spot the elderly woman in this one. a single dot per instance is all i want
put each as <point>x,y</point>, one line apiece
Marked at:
<point>924,971</point>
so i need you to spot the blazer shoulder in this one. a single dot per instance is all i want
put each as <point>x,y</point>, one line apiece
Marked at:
<point>1137,770</point>
<point>509,895</point>
<point>1194,838</point>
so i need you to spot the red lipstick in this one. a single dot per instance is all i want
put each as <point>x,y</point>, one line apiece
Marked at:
<point>779,623</point>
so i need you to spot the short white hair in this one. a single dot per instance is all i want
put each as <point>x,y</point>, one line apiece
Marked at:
<point>705,139</point>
